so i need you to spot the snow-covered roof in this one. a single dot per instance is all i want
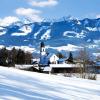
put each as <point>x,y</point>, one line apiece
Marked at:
<point>63,65</point>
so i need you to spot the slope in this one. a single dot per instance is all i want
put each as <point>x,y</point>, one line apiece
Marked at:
<point>22,85</point>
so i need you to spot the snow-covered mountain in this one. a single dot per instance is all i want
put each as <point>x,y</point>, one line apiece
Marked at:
<point>59,35</point>
<point>22,85</point>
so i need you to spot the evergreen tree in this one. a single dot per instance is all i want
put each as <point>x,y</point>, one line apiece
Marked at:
<point>60,55</point>
<point>14,53</point>
<point>28,58</point>
<point>3,56</point>
<point>70,58</point>
<point>20,57</point>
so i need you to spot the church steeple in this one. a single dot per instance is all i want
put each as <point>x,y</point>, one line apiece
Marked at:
<point>42,44</point>
<point>42,48</point>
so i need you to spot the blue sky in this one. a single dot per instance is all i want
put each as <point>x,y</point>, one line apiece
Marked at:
<point>40,9</point>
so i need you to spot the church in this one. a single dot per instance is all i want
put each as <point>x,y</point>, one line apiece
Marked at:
<point>47,58</point>
<point>49,63</point>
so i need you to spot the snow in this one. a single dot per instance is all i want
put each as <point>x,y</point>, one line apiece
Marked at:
<point>26,40</point>
<point>69,47</point>
<point>64,65</point>
<point>25,31</point>
<point>96,54</point>
<point>81,34</point>
<point>2,33</point>
<point>74,34</point>
<point>79,23</point>
<point>1,46</point>
<point>1,28</point>
<point>97,41</point>
<point>47,68</point>
<point>23,85</point>
<point>23,66</point>
<point>89,40</point>
<point>42,28</point>
<point>8,20</point>
<point>35,34</point>
<point>66,32</point>
<point>98,76</point>
<point>93,46</point>
<point>25,48</point>
<point>46,35</point>
<point>92,29</point>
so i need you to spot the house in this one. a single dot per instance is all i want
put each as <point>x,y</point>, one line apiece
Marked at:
<point>52,58</point>
<point>63,68</point>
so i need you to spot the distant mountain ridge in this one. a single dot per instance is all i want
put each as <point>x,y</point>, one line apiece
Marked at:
<point>58,33</point>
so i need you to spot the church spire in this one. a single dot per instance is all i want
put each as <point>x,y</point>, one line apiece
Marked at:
<point>42,48</point>
<point>42,44</point>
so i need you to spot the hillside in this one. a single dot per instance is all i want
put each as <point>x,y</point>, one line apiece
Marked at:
<point>61,35</point>
<point>22,85</point>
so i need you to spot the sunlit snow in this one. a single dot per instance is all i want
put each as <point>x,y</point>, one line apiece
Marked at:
<point>74,34</point>
<point>92,29</point>
<point>46,35</point>
<point>69,47</point>
<point>25,31</point>
<point>2,33</point>
<point>22,85</point>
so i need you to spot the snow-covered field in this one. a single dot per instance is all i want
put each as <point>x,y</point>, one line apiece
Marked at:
<point>22,85</point>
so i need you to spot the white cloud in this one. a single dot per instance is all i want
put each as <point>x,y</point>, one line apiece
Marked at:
<point>98,16</point>
<point>32,14</point>
<point>8,20</point>
<point>27,11</point>
<point>43,3</point>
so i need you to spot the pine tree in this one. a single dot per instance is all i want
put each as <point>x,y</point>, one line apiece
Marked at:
<point>20,57</point>
<point>70,58</point>
<point>3,56</point>
<point>28,58</point>
<point>14,53</point>
<point>60,55</point>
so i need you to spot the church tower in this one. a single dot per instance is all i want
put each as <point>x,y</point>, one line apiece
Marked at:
<point>42,49</point>
<point>43,55</point>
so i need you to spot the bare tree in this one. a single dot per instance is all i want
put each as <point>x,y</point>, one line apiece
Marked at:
<point>87,70</point>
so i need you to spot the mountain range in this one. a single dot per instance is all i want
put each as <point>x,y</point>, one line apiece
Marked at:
<point>61,35</point>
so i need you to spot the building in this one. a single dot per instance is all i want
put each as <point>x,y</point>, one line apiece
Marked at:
<point>50,63</point>
<point>43,55</point>
<point>52,58</point>
<point>46,59</point>
<point>63,68</point>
